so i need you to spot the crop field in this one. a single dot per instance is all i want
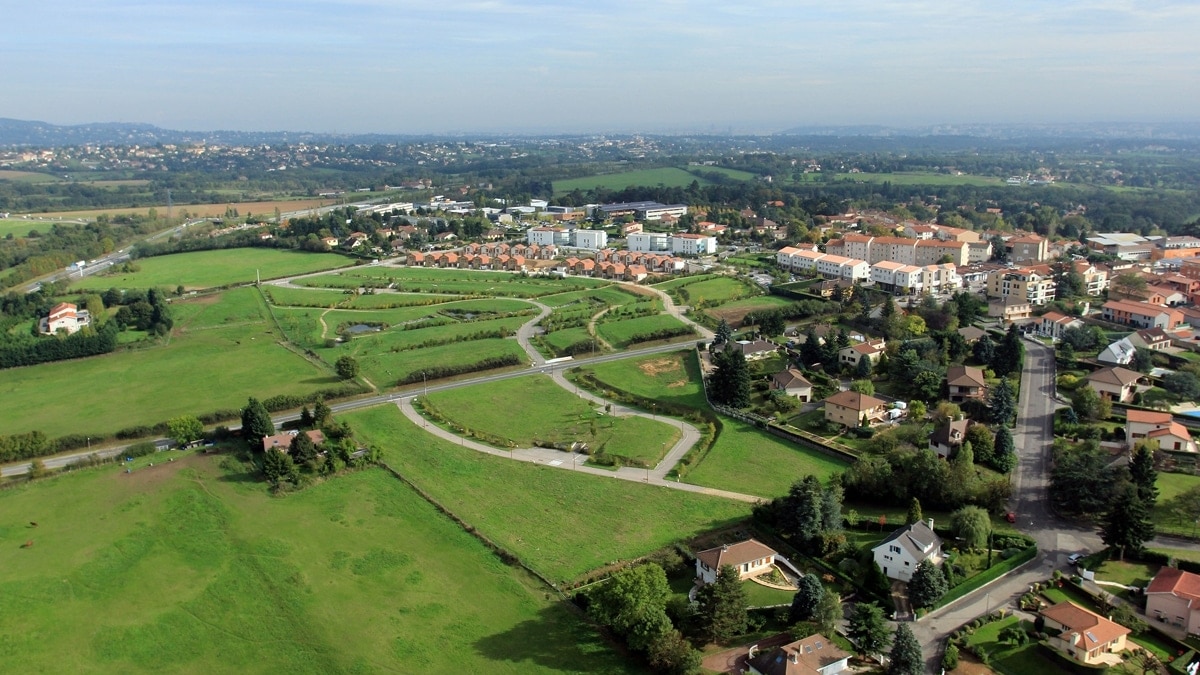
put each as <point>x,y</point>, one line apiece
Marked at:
<point>747,460</point>
<point>559,522</point>
<point>627,332</point>
<point>534,409</point>
<point>223,350</point>
<point>14,176</point>
<point>187,567</point>
<point>671,378</point>
<point>666,177</point>
<point>264,208</point>
<point>209,269</point>
<point>735,311</point>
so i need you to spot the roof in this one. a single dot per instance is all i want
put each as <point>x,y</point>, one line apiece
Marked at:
<point>1176,582</point>
<point>284,441</point>
<point>971,333</point>
<point>1133,307</point>
<point>855,401</point>
<point>1147,416</point>
<point>952,432</point>
<point>1172,429</point>
<point>1082,628</point>
<point>965,376</point>
<point>802,657</point>
<point>916,539</point>
<point>735,554</point>
<point>1115,375</point>
<point>790,378</point>
<point>1152,335</point>
<point>754,347</point>
<point>866,348</point>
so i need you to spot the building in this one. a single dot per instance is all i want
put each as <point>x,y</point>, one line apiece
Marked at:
<point>793,383</point>
<point>644,210</point>
<point>1054,324</point>
<point>872,351</point>
<point>1155,339</point>
<point>965,383</point>
<point>693,244</point>
<point>905,548</point>
<point>1010,309</point>
<point>814,655</point>
<point>1116,383</point>
<point>849,408</point>
<point>1141,314</point>
<point>750,557</point>
<point>1083,635</point>
<point>948,437</point>
<point>1025,284</point>
<point>1173,596</point>
<point>648,241</point>
<point>1157,426</point>
<point>64,317</point>
<point>589,239</point>
<point>1029,249</point>
<point>547,236</point>
<point>1119,353</point>
<point>754,350</point>
<point>841,267</point>
<point>284,441</point>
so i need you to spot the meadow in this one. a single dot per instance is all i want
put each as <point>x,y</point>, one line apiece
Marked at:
<point>919,178</point>
<point>535,409</point>
<point>560,522</point>
<point>672,378</point>
<point>627,332</point>
<point>263,208</point>
<point>733,312</point>
<point>666,177</point>
<point>191,566</point>
<point>20,227</point>
<point>714,291</point>
<point>464,282</point>
<point>210,269</point>
<point>223,349</point>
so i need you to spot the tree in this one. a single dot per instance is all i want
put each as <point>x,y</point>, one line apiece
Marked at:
<point>926,385</point>
<point>1009,354</point>
<point>302,449</point>
<point>1143,360</point>
<point>810,351</point>
<point>906,658</point>
<point>1087,404</point>
<point>724,333</point>
<point>868,629</point>
<point>729,383</point>
<point>671,653</point>
<point>971,524</point>
<point>37,469</point>
<point>1128,284</point>
<point>982,442</point>
<point>322,415</point>
<point>863,386</point>
<point>1005,456</point>
<point>1142,473</point>
<point>721,606</point>
<point>256,423</point>
<point>1184,385</point>
<point>306,418</point>
<point>914,511</point>
<point>1002,403</point>
<point>1080,478</point>
<point>185,429</point>
<point>809,512</point>
<point>950,657</point>
<point>1128,617</point>
<point>927,585</point>
<point>771,323</point>
<point>985,350</point>
<point>862,369</point>
<point>1127,525</point>
<point>278,466</point>
<point>917,410</point>
<point>633,603</point>
<point>808,595</point>
<point>346,367</point>
<point>828,612</point>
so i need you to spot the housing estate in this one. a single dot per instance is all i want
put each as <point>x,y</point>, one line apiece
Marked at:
<point>905,548</point>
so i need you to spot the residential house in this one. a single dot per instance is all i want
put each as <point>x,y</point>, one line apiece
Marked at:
<point>1141,314</point>
<point>1119,353</point>
<point>948,437</point>
<point>284,441</point>
<point>1054,324</point>
<point>964,383</point>
<point>848,408</point>
<point>866,350</point>
<point>750,557</point>
<point>1084,635</point>
<point>1173,596</point>
<point>899,554</point>
<point>754,350</point>
<point>65,317</point>
<point>1150,338</point>
<point>1157,426</point>
<point>971,334</point>
<point>1010,309</point>
<point>814,655</point>
<point>793,383</point>
<point>1116,383</point>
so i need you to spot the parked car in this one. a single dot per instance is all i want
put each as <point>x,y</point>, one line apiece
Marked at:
<point>1011,517</point>
<point>1074,558</point>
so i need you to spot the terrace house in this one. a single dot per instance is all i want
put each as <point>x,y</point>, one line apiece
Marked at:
<point>1141,314</point>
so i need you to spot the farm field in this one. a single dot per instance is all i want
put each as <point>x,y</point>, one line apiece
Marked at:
<point>713,291</point>
<point>626,332</point>
<point>465,282</point>
<point>208,269</point>
<point>15,176</point>
<point>747,460</point>
<point>560,522</point>
<point>549,413</point>
<point>204,210</point>
<point>223,350</point>
<point>736,174</point>
<point>671,378</point>
<point>20,227</point>
<point>666,176</point>
<point>187,567</point>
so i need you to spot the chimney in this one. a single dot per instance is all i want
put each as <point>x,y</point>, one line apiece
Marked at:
<point>931,523</point>
<point>795,657</point>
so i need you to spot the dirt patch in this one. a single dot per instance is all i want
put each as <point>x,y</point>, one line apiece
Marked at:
<point>969,665</point>
<point>678,384</point>
<point>166,465</point>
<point>659,366</point>
<point>732,316</point>
<point>210,299</point>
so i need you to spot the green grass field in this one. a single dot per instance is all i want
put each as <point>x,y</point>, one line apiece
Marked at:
<point>208,269</point>
<point>20,227</point>
<point>384,368</point>
<point>186,567</point>
<point>15,176</point>
<point>534,409</point>
<point>560,522</point>
<point>666,176</point>
<point>1171,485</point>
<point>714,291</point>
<point>736,174</point>
<point>919,178</point>
<point>626,332</point>
<point>224,350</point>
<point>672,378</point>
<point>442,281</point>
<point>747,460</point>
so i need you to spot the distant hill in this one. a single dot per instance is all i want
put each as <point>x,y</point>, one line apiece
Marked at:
<point>43,134</point>
<point>1096,130</point>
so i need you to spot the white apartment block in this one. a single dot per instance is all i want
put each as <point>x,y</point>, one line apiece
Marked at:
<point>648,241</point>
<point>841,267</point>
<point>589,239</point>
<point>693,244</point>
<point>547,236</point>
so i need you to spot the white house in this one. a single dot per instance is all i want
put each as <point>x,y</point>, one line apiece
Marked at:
<point>547,236</point>
<point>64,316</point>
<point>750,557</point>
<point>899,554</point>
<point>648,241</point>
<point>590,239</point>
<point>693,244</point>
<point>1119,353</point>
<point>1157,426</point>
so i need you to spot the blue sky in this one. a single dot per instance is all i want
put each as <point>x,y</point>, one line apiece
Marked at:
<point>416,66</point>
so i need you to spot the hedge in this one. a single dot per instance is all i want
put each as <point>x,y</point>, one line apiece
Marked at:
<point>450,371</point>
<point>990,574</point>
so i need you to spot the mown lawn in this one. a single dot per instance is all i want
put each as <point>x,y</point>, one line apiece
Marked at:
<point>208,269</point>
<point>715,291</point>
<point>442,281</point>
<point>535,409</point>
<point>1170,486</point>
<point>186,567</point>
<point>745,459</point>
<point>628,332</point>
<point>224,349</point>
<point>762,596</point>
<point>665,176</point>
<point>671,378</point>
<point>560,522</point>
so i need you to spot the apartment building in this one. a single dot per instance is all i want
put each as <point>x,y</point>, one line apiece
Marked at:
<point>1021,284</point>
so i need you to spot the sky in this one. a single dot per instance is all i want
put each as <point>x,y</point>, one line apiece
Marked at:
<point>529,66</point>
